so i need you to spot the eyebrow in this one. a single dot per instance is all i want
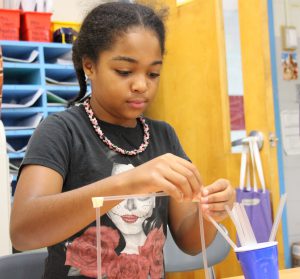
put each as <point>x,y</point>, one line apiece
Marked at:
<point>134,61</point>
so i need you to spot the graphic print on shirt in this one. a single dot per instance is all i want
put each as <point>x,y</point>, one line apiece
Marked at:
<point>132,240</point>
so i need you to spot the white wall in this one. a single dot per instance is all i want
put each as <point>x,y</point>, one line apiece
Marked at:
<point>72,10</point>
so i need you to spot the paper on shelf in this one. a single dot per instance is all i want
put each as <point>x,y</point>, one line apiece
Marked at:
<point>13,167</point>
<point>31,58</point>
<point>65,59</point>
<point>9,148</point>
<point>30,122</point>
<point>72,81</point>
<point>25,102</point>
<point>55,100</point>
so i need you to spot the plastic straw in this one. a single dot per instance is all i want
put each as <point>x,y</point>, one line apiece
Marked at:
<point>237,224</point>
<point>247,223</point>
<point>203,246</point>
<point>98,236</point>
<point>123,197</point>
<point>278,217</point>
<point>224,234</point>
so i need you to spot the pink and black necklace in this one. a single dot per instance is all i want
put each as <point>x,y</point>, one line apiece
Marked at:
<point>110,145</point>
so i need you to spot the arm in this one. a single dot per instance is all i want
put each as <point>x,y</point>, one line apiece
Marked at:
<point>42,215</point>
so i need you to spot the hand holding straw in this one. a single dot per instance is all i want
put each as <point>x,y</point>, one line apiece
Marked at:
<point>278,217</point>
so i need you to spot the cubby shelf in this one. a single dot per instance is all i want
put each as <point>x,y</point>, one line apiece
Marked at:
<point>22,80</point>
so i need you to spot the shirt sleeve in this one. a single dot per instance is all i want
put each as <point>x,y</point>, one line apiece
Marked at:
<point>49,146</point>
<point>176,146</point>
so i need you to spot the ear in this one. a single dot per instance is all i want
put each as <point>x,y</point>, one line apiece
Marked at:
<point>88,67</point>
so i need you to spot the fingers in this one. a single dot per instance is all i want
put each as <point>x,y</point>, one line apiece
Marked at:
<point>182,174</point>
<point>186,180</point>
<point>215,197</point>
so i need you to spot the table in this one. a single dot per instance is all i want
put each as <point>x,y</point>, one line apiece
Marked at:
<point>292,273</point>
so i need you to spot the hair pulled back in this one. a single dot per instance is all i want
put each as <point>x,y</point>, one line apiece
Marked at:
<point>103,25</point>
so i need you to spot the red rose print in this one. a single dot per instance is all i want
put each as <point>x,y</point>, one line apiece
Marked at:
<point>153,250</point>
<point>82,253</point>
<point>131,267</point>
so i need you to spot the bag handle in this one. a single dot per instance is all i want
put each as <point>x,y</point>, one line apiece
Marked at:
<point>257,162</point>
<point>244,169</point>
<point>250,151</point>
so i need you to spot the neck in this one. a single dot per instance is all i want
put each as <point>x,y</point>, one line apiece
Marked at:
<point>105,116</point>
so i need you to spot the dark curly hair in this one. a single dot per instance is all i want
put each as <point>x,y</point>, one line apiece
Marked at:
<point>104,24</point>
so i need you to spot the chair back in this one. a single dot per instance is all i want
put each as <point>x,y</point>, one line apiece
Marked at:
<point>26,265</point>
<point>177,261</point>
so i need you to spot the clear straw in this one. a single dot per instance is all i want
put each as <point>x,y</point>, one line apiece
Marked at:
<point>224,234</point>
<point>123,197</point>
<point>98,236</point>
<point>278,217</point>
<point>203,246</point>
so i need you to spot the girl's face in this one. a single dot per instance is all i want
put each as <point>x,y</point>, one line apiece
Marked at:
<point>125,79</point>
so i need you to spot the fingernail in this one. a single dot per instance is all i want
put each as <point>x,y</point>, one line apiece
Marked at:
<point>205,192</point>
<point>205,206</point>
<point>204,200</point>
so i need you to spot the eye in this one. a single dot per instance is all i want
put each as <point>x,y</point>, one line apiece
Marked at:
<point>153,75</point>
<point>123,73</point>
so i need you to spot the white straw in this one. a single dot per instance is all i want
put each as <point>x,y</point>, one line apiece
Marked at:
<point>251,235</point>
<point>123,197</point>
<point>203,246</point>
<point>98,237</point>
<point>238,225</point>
<point>278,217</point>
<point>241,220</point>
<point>224,234</point>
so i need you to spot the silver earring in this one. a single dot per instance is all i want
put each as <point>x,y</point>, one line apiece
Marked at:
<point>86,78</point>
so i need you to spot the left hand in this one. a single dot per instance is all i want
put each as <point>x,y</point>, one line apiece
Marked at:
<point>215,197</point>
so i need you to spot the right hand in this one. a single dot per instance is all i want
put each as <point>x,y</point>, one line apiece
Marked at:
<point>171,174</point>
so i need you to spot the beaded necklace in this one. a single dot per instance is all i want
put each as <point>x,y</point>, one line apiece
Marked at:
<point>112,146</point>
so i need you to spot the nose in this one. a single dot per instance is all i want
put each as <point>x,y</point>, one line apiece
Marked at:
<point>139,84</point>
<point>130,204</point>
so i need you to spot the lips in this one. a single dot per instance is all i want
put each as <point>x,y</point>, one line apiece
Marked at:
<point>138,104</point>
<point>129,218</point>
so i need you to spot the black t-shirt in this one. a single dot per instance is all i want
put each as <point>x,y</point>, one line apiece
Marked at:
<point>133,232</point>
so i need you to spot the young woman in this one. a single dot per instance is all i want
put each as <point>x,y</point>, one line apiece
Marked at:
<point>73,154</point>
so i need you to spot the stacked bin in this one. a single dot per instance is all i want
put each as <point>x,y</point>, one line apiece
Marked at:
<point>35,26</point>
<point>9,24</point>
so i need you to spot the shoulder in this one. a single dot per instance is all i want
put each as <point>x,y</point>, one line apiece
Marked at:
<point>159,125</point>
<point>70,117</point>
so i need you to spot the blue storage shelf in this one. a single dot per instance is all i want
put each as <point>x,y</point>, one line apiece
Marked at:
<point>16,155</point>
<point>56,109</point>
<point>18,87</point>
<point>17,133</point>
<point>23,80</point>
